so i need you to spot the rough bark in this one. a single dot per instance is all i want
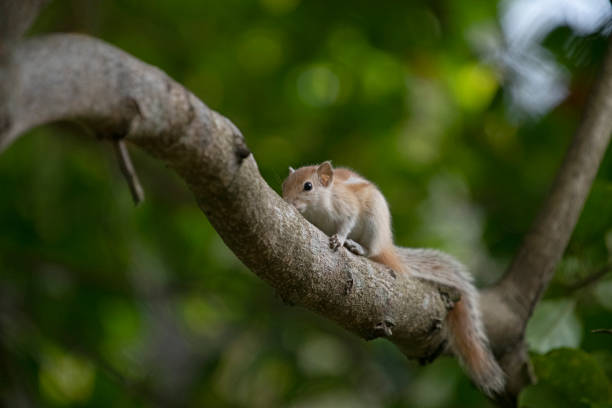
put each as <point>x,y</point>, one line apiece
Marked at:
<point>73,77</point>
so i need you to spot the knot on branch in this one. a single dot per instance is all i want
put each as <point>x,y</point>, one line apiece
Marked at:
<point>5,123</point>
<point>348,284</point>
<point>435,326</point>
<point>449,296</point>
<point>240,148</point>
<point>241,151</point>
<point>127,111</point>
<point>384,328</point>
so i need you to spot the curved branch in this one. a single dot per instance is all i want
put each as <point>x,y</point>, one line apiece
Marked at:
<point>75,77</point>
<point>70,77</point>
<point>16,17</point>
<point>533,267</point>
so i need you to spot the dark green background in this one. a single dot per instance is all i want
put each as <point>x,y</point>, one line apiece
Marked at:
<point>104,304</point>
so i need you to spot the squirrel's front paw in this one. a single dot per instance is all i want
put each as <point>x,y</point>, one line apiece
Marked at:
<point>335,242</point>
<point>354,247</point>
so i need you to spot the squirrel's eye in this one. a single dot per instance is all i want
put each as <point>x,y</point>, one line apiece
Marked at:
<point>307,186</point>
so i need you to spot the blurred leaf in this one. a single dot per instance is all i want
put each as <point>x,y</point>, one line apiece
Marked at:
<point>204,316</point>
<point>473,86</point>
<point>318,85</point>
<point>279,6</point>
<point>333,399</point>
<point>261,51</point>
<point>554,324</point>
<point>433,388</point>
<point>544,396</point>
<point>122,343</point>
<point>66,379</point>
<point>568,377</point>
<point>323,355</point>
<point>604,359</point>
<point>596,219</point>
<point>381,76</point>
<point>603,293</point>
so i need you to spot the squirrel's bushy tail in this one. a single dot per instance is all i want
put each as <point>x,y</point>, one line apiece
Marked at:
<point>391,259</point>
<point>467,337</point>
<point>469,343</point>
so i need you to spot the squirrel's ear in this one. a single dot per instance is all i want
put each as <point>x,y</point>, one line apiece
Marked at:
<point>291,170</point>
<point>325,173</point>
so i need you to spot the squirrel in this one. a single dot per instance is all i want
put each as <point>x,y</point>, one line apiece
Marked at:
<point>353,213</point>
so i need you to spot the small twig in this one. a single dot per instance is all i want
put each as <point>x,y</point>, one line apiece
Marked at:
<point>592,278</point>
<point>127,168</point>
<point>608,331</point>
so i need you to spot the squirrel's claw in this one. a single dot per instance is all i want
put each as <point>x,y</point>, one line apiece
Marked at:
<point>335,242</point>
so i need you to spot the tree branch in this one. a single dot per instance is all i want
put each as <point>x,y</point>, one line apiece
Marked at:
<point>590,279</point>
<point>128,171</point>
<point>534,264</point>
<point>75,77</point>
<point>16,17</point>
<point>71,77</point>
<point>532,268</point>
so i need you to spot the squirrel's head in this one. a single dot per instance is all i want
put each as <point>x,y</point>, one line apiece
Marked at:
<point>308,186</point>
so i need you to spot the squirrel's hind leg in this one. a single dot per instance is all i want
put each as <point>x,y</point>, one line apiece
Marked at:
<point>354,247</point>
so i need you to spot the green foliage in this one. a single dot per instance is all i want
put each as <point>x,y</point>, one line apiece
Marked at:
<point>66,379</point>
<point>567,378</point>
<point>103,304</point>
<point>554,324</point>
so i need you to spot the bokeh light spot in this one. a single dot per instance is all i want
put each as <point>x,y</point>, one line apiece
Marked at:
<point>66,379</point>
<point>473,87</point>
<point>318,86</point>
<point>261,51</point>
